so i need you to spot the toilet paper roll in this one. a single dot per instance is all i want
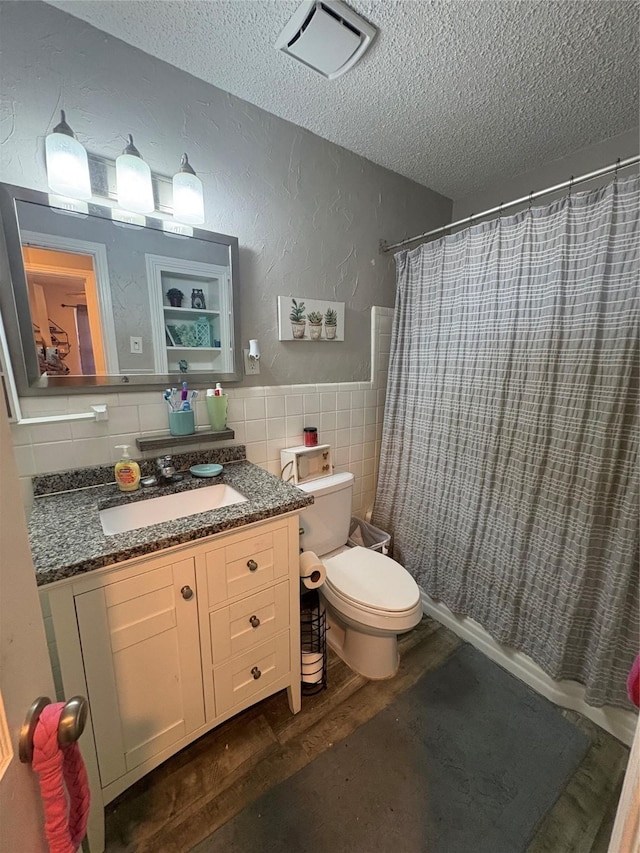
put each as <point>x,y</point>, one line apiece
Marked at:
<point>312,572</point>
<point>312,667</point>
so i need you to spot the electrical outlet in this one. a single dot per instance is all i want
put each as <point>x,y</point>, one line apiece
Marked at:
<point>136,345</point>
<point>251,365</point>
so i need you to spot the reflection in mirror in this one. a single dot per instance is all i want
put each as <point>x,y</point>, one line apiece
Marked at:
<point>65,312</point>
<point>98,301</point>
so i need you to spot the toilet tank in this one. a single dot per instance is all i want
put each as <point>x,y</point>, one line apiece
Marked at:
<point>326,522</point>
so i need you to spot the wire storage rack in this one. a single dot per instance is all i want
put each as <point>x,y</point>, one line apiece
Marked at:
<point>313,643</point>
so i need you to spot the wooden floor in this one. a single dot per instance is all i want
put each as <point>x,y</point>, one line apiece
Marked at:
<point>190,795</point>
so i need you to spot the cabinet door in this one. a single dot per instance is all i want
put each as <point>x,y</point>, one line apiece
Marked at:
<point>141,650</point>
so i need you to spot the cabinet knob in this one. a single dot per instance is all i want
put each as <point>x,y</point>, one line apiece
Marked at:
<point>301,531</point>
<point>255,672</point>
<point>253,566</point>
<point>255,622</point>
<point>186,592</point>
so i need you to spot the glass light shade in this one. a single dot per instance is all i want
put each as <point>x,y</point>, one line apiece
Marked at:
<point>67,166</point>
<point>188,198</point>
<point>133,177</point>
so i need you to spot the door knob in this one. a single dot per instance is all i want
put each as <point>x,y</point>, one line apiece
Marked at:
<point>70,725</point>
<point>186,592</point>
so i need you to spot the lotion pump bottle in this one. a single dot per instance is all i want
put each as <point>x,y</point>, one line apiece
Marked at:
<point>127,471</point>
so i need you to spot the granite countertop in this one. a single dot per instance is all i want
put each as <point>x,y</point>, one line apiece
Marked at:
<point>67,539</point>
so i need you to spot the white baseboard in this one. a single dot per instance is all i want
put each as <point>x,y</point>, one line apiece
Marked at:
<point>568,694</point>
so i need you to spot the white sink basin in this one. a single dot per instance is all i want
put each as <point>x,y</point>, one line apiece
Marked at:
<point>120,519</point>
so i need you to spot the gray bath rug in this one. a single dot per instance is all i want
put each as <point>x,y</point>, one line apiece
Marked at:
<point>467,761</point>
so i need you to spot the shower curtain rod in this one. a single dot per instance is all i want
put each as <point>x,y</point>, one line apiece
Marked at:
<point>614,167</point>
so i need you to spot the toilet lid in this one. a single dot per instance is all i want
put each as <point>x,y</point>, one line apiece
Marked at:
<point>371,580</point>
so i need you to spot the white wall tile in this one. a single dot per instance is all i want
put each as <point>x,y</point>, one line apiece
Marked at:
<point>255,430</point>
<point>25,461</point>
<point>89,429</point>
<point>342,438</point>
<point>266,419</point>
<point>327,402</point>
<point>294,404</point>
<point>45,433</point>
<point>357,399</point>
<point>58,456</point>
<point>37,407</point>
<point>293,431</point>
<point>91,451</point>
<point>257,452</point>
<point>153,418</point>
<point>254,408</point>
<point>275,407</point>
<point>327,421</point>
<point>343,400</point>
<point>276,428</point>
<point>311,404</point>
<point>343,419</point>
<point>20,435</point>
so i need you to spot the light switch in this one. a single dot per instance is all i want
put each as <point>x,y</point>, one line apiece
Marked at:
<point>136,345</point>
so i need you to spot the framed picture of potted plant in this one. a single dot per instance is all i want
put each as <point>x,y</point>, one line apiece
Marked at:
<point>304,319</point>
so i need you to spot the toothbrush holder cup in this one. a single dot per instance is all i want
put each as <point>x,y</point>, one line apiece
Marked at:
<point>182,423</point>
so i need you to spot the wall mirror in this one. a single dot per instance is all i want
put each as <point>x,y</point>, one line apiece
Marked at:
<point>90,299</point>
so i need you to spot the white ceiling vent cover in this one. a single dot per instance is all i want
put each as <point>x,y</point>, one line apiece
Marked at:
<point>327,36</point>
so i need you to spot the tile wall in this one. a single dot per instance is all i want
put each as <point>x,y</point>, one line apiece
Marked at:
<point>348,416</point>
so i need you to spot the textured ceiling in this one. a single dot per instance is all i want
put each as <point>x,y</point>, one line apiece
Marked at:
<point>452,94</point>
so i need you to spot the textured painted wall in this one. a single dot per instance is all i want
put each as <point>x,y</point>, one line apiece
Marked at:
<point>308,214</point>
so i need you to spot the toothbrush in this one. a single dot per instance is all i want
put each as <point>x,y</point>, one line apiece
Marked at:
<point>185,392</point>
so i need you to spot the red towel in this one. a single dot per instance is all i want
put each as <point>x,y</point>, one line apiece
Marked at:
<point>633,683</point>
<point>65,826</point>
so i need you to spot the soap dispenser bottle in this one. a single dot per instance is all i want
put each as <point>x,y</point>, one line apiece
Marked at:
<point>127,471</point>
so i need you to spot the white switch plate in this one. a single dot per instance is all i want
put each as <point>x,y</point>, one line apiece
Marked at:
<point>136,345</point>
<point>251,365</point>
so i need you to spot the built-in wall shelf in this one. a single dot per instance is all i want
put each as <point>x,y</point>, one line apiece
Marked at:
<point>156,442</point>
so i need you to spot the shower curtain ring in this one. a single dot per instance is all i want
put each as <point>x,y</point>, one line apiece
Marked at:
<point>615,171</point>
<point>530,198</point>
<point>570,185</point>
<point>500,210</point>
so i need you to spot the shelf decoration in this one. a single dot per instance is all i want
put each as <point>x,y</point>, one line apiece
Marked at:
<point>303,319</point>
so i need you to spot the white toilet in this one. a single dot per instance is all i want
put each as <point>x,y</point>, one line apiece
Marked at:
<point>369,598</point>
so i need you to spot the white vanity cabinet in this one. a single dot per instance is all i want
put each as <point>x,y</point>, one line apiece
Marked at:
<point>165,647</point>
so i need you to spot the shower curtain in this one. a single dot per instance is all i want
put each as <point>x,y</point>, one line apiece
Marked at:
<point>508,469</point>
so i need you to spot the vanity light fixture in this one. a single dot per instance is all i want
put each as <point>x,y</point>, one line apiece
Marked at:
<point>133,178</point>
<point>67,163</point>
<point>188,196</point>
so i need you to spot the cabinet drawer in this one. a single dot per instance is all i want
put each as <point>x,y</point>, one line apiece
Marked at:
<point>243,677</point>
<point>249,622</point>
<point>246,564</point>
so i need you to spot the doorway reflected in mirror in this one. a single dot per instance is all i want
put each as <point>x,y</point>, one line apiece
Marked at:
<point>65,311</point>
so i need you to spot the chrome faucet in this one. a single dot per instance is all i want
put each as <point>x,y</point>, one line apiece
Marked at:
<point>164,468</point>
<point>165,473</point>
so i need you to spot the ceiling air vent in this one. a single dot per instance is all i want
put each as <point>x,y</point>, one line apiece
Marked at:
<point>327,36</point>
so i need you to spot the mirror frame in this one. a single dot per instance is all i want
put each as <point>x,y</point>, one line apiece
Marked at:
<point>16,313</point>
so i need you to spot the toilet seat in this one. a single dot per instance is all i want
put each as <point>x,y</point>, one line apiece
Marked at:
<point>366,580</point>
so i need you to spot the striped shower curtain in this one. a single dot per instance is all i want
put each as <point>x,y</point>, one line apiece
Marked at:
<point>508,471</point>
